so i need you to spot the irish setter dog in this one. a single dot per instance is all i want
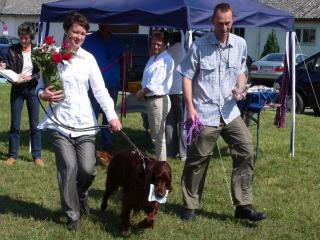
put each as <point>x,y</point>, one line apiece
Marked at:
<point>126,170</point>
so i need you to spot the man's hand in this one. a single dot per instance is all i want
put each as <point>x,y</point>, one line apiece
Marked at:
<point>240,92</point>
<point>50,95</point>
<point>192,114</point>
<point>115,125</point>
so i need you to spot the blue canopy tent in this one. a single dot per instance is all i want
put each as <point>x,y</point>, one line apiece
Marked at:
<point>179,14</point>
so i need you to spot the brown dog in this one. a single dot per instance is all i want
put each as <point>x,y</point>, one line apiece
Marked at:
<point>126,170</point>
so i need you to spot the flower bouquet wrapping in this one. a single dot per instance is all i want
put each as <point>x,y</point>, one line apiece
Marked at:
<point>47,57</point>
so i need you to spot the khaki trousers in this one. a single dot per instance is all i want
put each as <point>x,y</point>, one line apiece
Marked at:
<point>158,109</point>
<point>239,139</point>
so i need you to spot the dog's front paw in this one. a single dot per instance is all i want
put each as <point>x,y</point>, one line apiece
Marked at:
<point>125,230</point>
<point>145,223</point>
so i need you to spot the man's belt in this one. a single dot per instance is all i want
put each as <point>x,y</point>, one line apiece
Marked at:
<point>153,96</point>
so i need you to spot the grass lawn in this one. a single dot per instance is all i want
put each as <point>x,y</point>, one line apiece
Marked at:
<point>288,190</point>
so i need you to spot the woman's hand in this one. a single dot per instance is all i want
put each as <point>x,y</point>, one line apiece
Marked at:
<point>22,78</point>
<point>51,95</point>
<point>115,125</point>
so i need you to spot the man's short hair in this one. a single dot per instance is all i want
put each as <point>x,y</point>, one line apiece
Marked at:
<point>223,7</point>
<point>161,35</point>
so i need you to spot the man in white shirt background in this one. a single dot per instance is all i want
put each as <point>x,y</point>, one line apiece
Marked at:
<point>156,83</point>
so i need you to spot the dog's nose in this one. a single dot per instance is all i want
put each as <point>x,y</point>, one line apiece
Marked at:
<point>159,195</point>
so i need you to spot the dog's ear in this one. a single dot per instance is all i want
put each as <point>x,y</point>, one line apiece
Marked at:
<point>104,157</point>
<point>149,170</point>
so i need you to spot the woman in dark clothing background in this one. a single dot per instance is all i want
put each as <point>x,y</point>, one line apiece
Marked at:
<point>20,61</point>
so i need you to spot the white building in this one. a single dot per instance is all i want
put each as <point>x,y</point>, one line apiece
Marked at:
<point>307,27</point>
<point>306,12</point>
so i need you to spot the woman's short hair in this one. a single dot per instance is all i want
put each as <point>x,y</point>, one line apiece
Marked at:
<point>160,35</point>
<point>26,29</point>
<point>78,18</point>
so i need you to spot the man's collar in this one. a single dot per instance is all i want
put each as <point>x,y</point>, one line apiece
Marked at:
<point>214,40</point>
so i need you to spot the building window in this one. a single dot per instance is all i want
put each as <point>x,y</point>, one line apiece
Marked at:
<point>239,31</point>
<point>307,36</point>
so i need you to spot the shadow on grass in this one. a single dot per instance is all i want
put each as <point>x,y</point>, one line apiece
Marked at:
<point>27,210</point>
<point>168,208</point>
<point>177,209</point>
<point>110,220</point>
<point>24,139</point>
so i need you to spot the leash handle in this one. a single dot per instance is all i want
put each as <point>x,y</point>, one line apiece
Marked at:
<point>193,128</point>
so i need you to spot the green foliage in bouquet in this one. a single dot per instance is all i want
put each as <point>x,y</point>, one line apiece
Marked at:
<point>47,57</point>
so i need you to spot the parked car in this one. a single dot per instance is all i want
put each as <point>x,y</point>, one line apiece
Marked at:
<point>3,52</point>
<point>266,70</point>
<point>305,96</point>
<point>8,40</point>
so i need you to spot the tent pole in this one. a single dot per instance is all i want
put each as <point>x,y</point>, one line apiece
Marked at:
<point>293,80</point>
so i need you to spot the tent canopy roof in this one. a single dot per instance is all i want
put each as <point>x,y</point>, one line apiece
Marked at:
<point>179,14</point>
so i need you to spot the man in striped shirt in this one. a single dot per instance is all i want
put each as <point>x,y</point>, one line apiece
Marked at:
<point>213,79</point>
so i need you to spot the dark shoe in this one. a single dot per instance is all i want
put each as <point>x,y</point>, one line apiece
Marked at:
<point>188,214</point>
<point>84,206</point>
<point>248,212</point>
<point>73,225</point>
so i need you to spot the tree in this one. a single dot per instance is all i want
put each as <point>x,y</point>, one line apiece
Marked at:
<point>271,44</point>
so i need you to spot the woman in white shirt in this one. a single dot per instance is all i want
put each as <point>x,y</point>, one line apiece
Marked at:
<point>74,150</point>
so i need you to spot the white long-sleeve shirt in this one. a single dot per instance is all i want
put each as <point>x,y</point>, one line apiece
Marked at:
<point>75,109</point>
<point>157,75</point>
<point>177,52</point>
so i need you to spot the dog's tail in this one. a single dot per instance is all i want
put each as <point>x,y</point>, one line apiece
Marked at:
<point>104,157</point>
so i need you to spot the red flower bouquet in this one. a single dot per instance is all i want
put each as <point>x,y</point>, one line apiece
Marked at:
<point>47,57</point>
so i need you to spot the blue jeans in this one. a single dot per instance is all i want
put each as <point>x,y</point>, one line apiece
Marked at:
<point>105,132</point>
<point>17,97</point>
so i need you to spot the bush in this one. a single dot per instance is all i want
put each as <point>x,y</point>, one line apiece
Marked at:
<point>271,44</point>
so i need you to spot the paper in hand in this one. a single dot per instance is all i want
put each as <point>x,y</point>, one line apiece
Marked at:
<point>10,75</point>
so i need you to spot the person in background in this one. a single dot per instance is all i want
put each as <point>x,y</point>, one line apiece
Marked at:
<point>213,79</point>
<point>19,60</point>
<point>107,50</point>
<point>175,118</point>
<point>156,83</point>
<point>75,150</point>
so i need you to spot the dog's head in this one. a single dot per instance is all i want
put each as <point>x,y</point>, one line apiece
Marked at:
<point>159,174</point>
<point>104,157</point>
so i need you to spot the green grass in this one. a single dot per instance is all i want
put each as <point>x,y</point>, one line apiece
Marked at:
<point>288,190</point>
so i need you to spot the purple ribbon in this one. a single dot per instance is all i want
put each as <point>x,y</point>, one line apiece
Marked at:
<point>193,128</point>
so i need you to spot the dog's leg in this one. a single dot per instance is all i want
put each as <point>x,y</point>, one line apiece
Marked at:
<point>111,186</point>
<point>126,214</point>
<point>151,214</point>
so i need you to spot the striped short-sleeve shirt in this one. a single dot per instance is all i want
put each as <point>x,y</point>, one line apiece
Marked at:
<point>213,70</point>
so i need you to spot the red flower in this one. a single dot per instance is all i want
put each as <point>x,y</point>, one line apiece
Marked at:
<point>49,40</point>
<point>57,57</point>
<point>67,56</point>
